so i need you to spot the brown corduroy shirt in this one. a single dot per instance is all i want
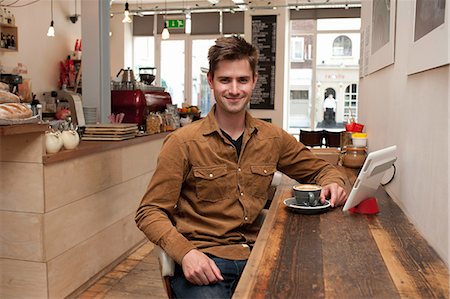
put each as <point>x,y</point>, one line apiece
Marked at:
<point>203,196</point>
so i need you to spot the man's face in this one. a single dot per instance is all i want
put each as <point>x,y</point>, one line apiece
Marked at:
<point>232,85</point>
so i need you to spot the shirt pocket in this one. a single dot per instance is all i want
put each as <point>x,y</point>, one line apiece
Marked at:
<point>261,179</point>
<point>211,182</point>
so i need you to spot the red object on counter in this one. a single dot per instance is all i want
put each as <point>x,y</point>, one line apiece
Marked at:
<point>367,206</point>
<point>354,127</point>
<point>137,104</point>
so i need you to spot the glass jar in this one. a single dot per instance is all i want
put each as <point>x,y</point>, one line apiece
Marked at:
<point>354,157</point>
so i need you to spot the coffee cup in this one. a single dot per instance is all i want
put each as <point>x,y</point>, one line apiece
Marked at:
<point>307,195</point>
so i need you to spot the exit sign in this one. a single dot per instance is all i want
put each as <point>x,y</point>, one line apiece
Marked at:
<point>175,23</point>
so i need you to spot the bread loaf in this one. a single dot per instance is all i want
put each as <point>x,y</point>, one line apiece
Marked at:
<point>4,86</point>
<point>7,97</point>
<point>14,111</point>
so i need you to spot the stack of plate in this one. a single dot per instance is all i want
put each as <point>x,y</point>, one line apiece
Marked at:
<point>90,115</point>
<point>110,131</point>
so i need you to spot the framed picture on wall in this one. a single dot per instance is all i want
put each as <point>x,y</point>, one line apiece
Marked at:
<point>429,43</point>
<point>382,34</point>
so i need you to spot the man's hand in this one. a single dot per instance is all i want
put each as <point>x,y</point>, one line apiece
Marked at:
<point>199,269</point>
<point>336,193</point>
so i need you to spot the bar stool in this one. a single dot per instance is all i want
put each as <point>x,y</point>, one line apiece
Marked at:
<point>311,138</point>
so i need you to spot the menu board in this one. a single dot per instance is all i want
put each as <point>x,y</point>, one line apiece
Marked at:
<point>264,34</point>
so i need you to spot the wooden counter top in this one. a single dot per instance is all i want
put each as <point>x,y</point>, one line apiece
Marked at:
<point>23,129</point>
<point>340,255</point>
<point>89,147</point>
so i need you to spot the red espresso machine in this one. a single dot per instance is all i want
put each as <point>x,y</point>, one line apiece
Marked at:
<point>137,101</point>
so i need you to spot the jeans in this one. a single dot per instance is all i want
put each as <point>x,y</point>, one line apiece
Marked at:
<point>231,272</point>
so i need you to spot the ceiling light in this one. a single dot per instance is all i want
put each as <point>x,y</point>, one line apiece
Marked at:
<point>126,14</point>
<point>51,29</point>
<point>213,2</point>
<point>165,33</point>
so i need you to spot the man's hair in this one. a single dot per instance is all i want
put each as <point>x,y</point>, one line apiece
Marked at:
<point>232,48</point>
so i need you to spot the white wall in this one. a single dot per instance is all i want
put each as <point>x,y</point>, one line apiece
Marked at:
<point>41,54</point>
<point>412,112</point>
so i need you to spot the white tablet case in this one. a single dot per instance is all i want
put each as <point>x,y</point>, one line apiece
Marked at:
<point>370,176</point>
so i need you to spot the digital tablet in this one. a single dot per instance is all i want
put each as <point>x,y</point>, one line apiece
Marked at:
<point>370,176</point>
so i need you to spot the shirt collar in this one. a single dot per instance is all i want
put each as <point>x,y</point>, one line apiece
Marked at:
<point>251,125</point>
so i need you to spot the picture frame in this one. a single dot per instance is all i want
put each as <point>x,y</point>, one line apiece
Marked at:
<point>381,42</point>
<point>429,34</point>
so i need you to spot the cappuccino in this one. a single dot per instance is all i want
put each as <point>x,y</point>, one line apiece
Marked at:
<point>307,187</point>
<point>307,195</point>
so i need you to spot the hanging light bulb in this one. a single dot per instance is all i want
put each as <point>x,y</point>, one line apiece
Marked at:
<point>165,33</point>
<point>126,14</point>
<point>51,29</point>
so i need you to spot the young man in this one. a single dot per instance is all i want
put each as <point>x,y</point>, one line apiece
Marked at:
<point>213,176</point>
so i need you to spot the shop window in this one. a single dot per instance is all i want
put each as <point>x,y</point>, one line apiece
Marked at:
<point>342,46</point>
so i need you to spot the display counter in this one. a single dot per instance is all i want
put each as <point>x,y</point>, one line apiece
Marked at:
<point>68,217</point>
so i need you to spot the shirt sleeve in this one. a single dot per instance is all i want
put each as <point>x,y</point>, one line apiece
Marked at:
<point>159,202</point>
<point>299,163</point>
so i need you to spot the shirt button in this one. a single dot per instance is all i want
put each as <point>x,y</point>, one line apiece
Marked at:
<point>245,218</point>
<point>242,193</point>
<point>265,171</point>
<point>211,175</point>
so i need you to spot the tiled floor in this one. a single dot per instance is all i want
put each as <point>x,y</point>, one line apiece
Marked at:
<point>137,277</point>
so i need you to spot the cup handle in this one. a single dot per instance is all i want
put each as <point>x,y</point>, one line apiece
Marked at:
<point>312,201</point>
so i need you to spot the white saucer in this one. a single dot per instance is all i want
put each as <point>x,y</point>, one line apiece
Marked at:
<point>293,206</point>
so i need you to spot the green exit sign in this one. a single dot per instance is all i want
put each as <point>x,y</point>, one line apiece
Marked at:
<point>175,23</point>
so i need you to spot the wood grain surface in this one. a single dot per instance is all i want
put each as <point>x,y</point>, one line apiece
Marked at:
<point>341,255</point>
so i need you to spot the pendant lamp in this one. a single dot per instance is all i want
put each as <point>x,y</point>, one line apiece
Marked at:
<point>165,33</point>
<point>126,14</point>
<point>51,29</point>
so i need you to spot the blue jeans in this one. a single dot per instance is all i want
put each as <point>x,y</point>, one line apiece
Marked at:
<point>231,272</point>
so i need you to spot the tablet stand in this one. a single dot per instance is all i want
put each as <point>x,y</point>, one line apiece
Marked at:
<point>367,206</point>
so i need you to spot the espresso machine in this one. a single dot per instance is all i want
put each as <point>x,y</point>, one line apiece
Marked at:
<point>137,99</point>
<point>12,80</point>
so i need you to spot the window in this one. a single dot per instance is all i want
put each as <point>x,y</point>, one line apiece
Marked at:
<point>299,94</point>
<point>342,46</point>
<point>143,53</point>
<point>351,102</point>
<point>298,45</point>
<point>336,65</point>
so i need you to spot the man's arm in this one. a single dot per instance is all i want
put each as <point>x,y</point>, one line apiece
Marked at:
<point>158,204</point>
<point>300,163</point>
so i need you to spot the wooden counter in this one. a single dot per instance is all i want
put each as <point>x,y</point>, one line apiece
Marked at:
<point>67,217</point>
<point>339,255</point>
<point>91,147</point>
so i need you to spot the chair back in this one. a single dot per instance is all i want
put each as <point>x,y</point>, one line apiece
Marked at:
<point>311,138</point>
<point>332,139</point>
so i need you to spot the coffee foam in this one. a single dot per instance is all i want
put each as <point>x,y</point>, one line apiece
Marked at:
<point>307,187</point>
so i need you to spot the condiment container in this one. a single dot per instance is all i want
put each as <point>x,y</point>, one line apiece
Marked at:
<point>359,139</point>
<point>354,157</point>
